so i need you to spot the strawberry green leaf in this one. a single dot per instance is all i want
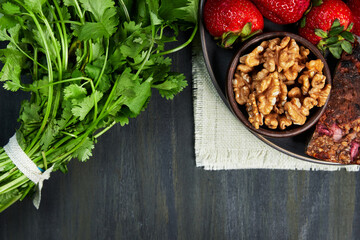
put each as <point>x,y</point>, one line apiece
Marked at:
<point>230,40</point>
<point>316,2</point>
<point>303,22</point>
<point>336,30</point>
<point>335,44</point>
<point>321,33</point>
<point>336,23</point>
<point>321,46</point>
<point>250,35</point>
<point>336,51</point>
<point>331,40</point>
<point>346,46</point>
<point>246,29</point>
<point>348,36</point>
<point>350,27</point>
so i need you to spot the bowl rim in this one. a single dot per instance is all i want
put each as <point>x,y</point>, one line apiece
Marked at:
<point>230,93</point>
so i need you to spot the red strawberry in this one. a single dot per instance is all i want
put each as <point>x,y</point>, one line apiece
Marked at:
<point>231,19</point>
<point>282,11</point>
<point>354,6</point>
<point>328,25</point>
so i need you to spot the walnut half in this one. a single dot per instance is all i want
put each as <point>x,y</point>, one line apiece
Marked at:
<point>279,85</point>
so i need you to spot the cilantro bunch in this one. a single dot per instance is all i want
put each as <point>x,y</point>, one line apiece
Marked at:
<point>88,65</point>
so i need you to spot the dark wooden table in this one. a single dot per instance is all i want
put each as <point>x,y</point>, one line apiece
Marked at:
<point>142,183</point>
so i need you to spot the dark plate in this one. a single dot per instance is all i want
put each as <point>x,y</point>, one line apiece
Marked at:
<point>217,61</point>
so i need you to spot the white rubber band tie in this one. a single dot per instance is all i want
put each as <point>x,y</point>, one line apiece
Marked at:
<point>27,167</point>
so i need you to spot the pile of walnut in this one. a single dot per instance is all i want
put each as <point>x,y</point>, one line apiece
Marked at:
<point>278,84</point>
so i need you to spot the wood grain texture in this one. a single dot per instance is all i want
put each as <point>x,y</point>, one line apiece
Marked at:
<point>142,183</point>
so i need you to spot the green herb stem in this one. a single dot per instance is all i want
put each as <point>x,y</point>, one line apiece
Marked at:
<point>179,47</point>
<point>95,100</point>
<point>13,184</point>
<point>58,82</point>
<point>50,75</point>
<point>80,14</point>
<point>105,130</point>
<point>104,65</point>
<point>65,40</point>
<point>148,52</point>
<point>27,55</point>
<point>123,6</point>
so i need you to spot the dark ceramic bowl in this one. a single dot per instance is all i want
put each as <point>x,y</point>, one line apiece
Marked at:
<point>240,111</point>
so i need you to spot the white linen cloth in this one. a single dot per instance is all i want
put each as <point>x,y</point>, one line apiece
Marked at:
<point>222,142</point>
<point>27,167</point>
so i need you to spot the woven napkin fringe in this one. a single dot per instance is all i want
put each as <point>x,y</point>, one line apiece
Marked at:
<point>223,143</point>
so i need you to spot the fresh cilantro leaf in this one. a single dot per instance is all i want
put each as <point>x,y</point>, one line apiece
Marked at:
<point>191,11</point>
<point>83,153</point>
<point>98,50</point>
<point>103,29</point>
<point>142,13</point>
<point>65,14</point>
<point>30,112</point>
<point>126,84</point>
<point>137,103</point>
<point>35,5</point>
<point>49,135</point>
<point>11,71</point>
<point>171,10</point>
<point>10,34</point>
<point>66,115</point>
<point>41,86</point>
<point>6,199</point>
<point>7,21</point>
<point>94,72</point>
<point>12,86</point>
<point>96,7</point>
<point>136,43</point>
<point>174,84</point>
<point>83,106</point>
<point>52,45</point>
<point>131,27</point>
<point>160,69</point>
<point>74,91</point>
<point>70,3</point>
<point>117,59</point>
<point>122,119</point>
<point>10,8</point>
<point>155,20</point>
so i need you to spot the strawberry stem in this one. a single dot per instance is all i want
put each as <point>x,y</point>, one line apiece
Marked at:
<point>336,40</point>
<point>229,38</point>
